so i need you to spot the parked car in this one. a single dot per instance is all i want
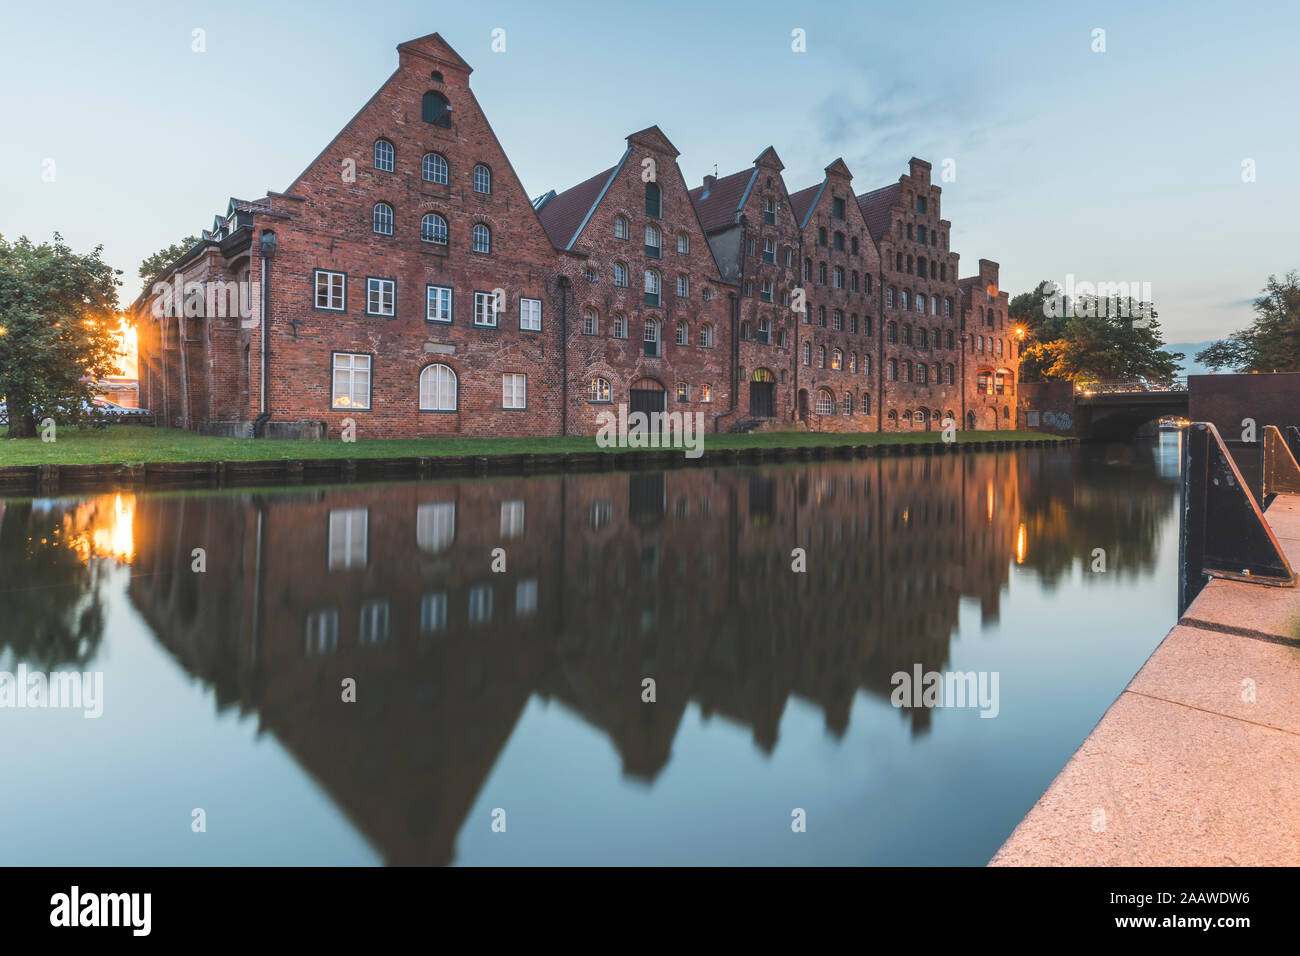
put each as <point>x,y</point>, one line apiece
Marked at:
<point>114,410</point>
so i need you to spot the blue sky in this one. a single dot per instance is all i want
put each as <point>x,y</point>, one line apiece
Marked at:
<point>1122,165</point>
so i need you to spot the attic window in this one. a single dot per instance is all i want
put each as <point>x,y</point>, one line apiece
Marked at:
<point>436,109</point>
<point>435,76</point>
<point>652,200</point>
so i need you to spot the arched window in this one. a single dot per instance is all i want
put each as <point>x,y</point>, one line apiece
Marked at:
<point>922,338</point>
<point>866,403</point>
<point>482,238</point>
<point>821,356</point>
<point>853,362</point>
<point>437,389</point>
<point>907,335</point>
<point>482,179</point>
<point>922,373</point>
<point>383,219</point>
<point>590,321</point>
<point>651,287</point>
<point>825,402</point>
<point>893,415</point>
<point>919,416</point>
<point>934,305</point>
<point>652,242</point>
<point>1006,411</point>
<point>907,371</point>
<point>653,204</point>
<point>920,303</point>
<point>891,333</point>
<point>847,405</point>
<point>807,353</point>
<point>435,109</point>
<point>837,359</point>
<point>683,334</point>
<point>651,337</point>
<point>384,155</point>
<point>599,391</point>
<point>891,370</point>
<point>706,336</point>
<point>947,339</point>
<point>433,228</point>
<point>866,363</point>
<point>620,275</point>
<point>947,308</point>
<point>683,243</point>
<point>620,228</point>
<point>433,169</point>
<point>906,302</point>
<point>620,325</point>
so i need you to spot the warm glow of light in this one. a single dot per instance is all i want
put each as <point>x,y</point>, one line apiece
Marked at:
<point>1020,544</point>
<point>3,330</point>
<point>990,501</point>
<point>129,350</point>
<point>103,527</point>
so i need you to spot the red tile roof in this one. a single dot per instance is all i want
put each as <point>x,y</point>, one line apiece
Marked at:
<point>876,206</point>
<point>801,202</point>
<point>565,213</point>
<point>718,209</point>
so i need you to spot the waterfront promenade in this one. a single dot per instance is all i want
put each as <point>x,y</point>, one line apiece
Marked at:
<point>1198,760</point>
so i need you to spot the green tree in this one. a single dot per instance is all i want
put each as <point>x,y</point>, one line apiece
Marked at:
<point>154,266</point>
<point>1089,338</point>
<point>57,330</point>
<point>1272,341</point>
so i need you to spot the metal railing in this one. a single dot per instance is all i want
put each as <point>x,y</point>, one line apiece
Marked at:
<point>1129,386</point>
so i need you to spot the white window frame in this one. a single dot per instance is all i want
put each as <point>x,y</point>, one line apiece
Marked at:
<point>352,368</point>
<point>331,293</point>
<point>386,220</point>
<point>386,291</point>
<point>485,310</point>
<point>431,167</point>
<point>348,546</point>
<point>481,230</point>
<point>514,391</point>
<point>530,314</point>
<point>512,519</point>
<point>390,157</point>
<point>434,301</point>
<point>482,177</point>
<point>438,373</point>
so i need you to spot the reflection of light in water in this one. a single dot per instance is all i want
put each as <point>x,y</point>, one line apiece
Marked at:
<point>990,501</point>
<point>103,528</point>
<point>1020,544</point>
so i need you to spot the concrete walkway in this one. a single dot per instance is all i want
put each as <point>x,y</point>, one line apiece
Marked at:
<point>1198,760</point>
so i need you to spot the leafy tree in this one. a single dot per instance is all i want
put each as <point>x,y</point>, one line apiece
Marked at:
<point>1272,341</point>
<point>58,324</point>
<point>1088,339</point>
<point>154,266</point>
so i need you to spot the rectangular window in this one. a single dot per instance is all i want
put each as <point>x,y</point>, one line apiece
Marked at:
<point>514,391</point>
<point>526,597</point>
<point>437,303</point>
<point>530,315</point>
<point>348,539</point>
<point>683,287</point>
<point>765,290</point>
<point>380,294</point>
<point>331,290</point>
<point>351,386</point>
<point>837,209</point>
<point>769,251</point>
<point>323,631</point>
<point>512,519</point>
<point>374,622</point>
<point>683,392</point>
<point>485,309</point>
<point>769,212</point>
<point>706,393</point>
<point>433,612</point>
<point>480,604</point>
<point>764,330</point>
<point>620,325</point>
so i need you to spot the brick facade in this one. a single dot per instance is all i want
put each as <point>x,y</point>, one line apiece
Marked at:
<point>990,352</point>
<point>408,286</point>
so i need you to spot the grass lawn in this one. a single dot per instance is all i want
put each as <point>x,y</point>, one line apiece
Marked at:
<point>142,443</point>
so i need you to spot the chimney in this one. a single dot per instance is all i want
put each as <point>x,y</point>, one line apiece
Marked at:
<point>708,184</point>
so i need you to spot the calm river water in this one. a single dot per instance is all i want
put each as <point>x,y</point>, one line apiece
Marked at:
<point>489,699</point>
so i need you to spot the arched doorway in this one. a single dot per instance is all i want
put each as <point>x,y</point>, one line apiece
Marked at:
<point>803,404</point>
<point>762,387</point>
<point>648,396</point>
<point>970,421</point>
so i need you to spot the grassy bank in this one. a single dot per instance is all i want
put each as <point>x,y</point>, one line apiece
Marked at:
<point>127,444</point>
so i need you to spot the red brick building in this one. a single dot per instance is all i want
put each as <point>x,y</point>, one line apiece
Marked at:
<point>991,352</point>
<point>405,285</point>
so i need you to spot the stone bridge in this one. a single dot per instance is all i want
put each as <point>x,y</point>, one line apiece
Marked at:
<point>1100,411</point>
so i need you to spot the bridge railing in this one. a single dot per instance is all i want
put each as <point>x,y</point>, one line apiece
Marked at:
<point>1129,386</point>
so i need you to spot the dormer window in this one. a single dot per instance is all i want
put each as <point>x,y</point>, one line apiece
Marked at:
<point>384,155</point>
<point>436,109</point>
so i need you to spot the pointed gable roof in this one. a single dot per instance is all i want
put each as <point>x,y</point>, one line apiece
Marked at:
<point>434,47</point>
<point>876,206</point>
<point>653,138</point>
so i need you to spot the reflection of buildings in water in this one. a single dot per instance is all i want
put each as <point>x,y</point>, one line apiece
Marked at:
<point>684,577</point>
